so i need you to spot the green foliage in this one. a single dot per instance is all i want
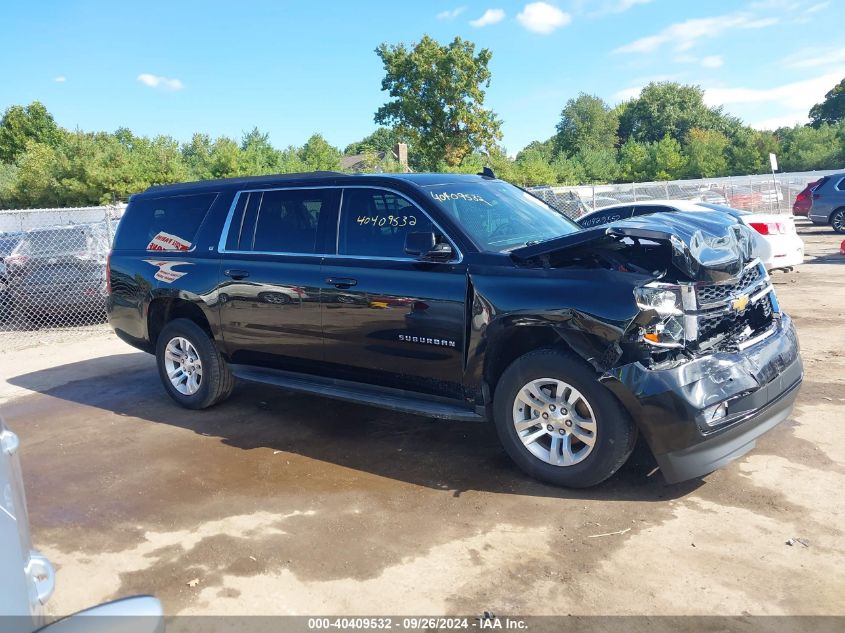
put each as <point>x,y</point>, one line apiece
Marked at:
<point>668,109</point>
<point>668,161</point>
<point>586,123</point>
<point>437,100</point>
<point>318,155</point>
<point>832,109</point>
<point>706,153</point>
<point>806,148</point>
<point>598,165</point>
<point>21,125</point>
<point>533,168</point>
<point>384,139</point>
<point>634,162</point>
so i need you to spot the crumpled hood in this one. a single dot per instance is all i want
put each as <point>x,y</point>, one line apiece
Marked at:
<point>706,245</point>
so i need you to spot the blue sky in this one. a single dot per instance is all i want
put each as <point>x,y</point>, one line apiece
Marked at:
<point>294,68</point>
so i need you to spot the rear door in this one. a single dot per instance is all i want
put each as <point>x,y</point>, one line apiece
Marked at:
<point>269,296</point>
<point>388,318</point>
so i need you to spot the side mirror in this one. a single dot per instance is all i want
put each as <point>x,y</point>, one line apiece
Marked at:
<point>425,246</point>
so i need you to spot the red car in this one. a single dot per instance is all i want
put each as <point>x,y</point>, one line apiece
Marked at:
<point>804,200</point>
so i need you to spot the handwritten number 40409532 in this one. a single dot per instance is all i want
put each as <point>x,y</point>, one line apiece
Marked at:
<point>387,220</point>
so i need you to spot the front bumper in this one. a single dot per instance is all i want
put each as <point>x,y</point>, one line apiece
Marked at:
<point>677,409</point>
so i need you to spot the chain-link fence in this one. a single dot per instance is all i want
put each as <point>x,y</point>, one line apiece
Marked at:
<point>53,272</point>
<point>760,193</point>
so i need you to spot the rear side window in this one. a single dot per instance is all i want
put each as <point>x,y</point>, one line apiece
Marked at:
<point>280,221</point>
<point>840,186</point>
<point>163,224</point>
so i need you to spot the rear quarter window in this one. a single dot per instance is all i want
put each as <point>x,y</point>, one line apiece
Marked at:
<point>167,223</point>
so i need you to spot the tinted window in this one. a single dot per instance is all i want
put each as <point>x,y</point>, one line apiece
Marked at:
<point>280,221</point>
<point>168,223</point>
<point>374,223</point>
<point>604,217</point>
<point>840,186</point>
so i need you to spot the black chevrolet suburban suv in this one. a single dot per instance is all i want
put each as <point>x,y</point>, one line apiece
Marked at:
<point>465,298</point>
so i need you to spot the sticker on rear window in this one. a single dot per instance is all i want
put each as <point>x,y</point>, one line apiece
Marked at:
<point>165,269</point>
<point>167,242</point>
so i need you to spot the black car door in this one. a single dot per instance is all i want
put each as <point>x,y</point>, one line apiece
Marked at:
<point>269,295</point>
<point>390,319</point>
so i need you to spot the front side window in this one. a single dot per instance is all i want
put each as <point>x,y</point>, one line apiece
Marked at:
<point>374,223</point>
<point>279,221</point>
<point>499,216</point>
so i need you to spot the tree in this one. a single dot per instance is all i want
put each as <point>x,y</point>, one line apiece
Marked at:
<point>634,162</point>
<point>668,109</point>
<point>748,151</point>
<point>598,165</point>
<point>20,125</point>
<point>318,155</point>
<point>258,156</point>
<point>832,109</point>
<point>534,169</point>
<point>706,153</point>
<point>586,122</point>
<point>384,139</point>
<point>668,161</point>
<point>806,148</point>
<point>437,100</point>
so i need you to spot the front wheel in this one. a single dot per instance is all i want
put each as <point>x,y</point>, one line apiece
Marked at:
<point>191,368</point>
<point>837,220</point>
<point>558,423</point>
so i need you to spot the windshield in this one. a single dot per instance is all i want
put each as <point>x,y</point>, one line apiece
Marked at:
<point>499,216</point>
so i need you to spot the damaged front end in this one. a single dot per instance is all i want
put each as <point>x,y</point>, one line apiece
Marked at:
<point>709,362</point>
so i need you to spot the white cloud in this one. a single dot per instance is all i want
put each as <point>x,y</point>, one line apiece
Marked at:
<point>815,57</point>
<point>797,95</point>
<point>817,7</point>
<point>450,14</point>
<point>712,61</point>
<point>620,6</point>
<point>541,17</point>
<point>682,36</point>
<point>787,120</point>
<point>156,81</point>
<point>628,93</point>
<point>491,16</point>
<point>60,79</point>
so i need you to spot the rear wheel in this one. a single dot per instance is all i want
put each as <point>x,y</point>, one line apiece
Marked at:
<point>558,423</point>
<point>837,220</point>
<point>191,368</point>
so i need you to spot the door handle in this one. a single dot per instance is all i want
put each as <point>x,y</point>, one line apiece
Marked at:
<point>341,282</point>
<point>236,273</point>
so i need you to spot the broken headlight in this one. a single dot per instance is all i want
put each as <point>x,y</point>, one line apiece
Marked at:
<point>666,329</point>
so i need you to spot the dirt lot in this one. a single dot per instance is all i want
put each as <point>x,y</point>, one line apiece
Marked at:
<point>285,504</point>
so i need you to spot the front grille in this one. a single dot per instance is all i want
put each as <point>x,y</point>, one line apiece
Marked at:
<point>731,325</point>
<point>711,294</point>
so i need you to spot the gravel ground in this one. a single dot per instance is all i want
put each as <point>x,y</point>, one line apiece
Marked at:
<point>275,503</point>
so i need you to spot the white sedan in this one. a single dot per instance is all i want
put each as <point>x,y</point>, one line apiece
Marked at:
<point>776,241</point>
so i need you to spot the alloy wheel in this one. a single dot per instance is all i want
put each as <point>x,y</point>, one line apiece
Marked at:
<point>554,422</point>
<point>183,365</point>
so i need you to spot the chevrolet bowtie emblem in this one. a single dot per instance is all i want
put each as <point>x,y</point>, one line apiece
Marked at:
<point>740,303</point>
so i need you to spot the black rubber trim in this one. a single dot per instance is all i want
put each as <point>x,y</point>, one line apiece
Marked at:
<point>383,397</point>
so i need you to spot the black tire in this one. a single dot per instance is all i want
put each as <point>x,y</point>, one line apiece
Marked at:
<point>217,381</point>
<point>837,221</point>
<point>616,434</point>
